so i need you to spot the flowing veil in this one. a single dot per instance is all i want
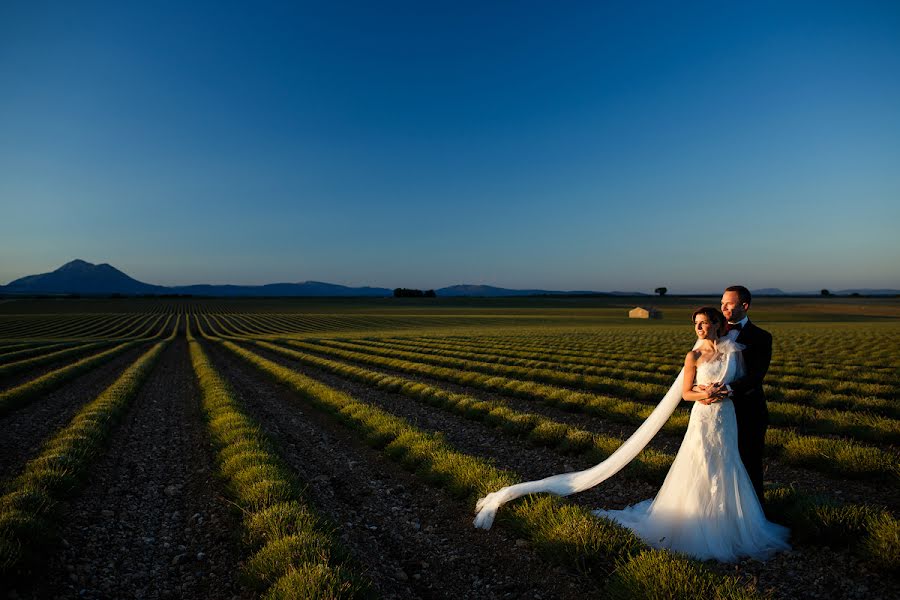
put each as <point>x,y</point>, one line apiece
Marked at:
<point>578,481</point>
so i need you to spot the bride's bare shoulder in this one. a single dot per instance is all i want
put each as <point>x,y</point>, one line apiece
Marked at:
<point>690,359</point>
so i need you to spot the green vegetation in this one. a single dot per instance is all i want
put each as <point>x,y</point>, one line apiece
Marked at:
<point>294,551</point>
<point>27,508</point>
<point>560,531</point>
<point>833,390</point>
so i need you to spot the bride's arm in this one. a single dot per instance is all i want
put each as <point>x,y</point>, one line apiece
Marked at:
<point>689,391</point>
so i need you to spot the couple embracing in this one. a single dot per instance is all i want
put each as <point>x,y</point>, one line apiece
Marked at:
<point>710,504</point>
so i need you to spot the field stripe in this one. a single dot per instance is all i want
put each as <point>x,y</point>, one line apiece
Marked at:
<point>569,532</point>
<point>845,458</point>
<point>816,519</point>
<point>17,396</point>
<point>26,509</point>
<point>293,549</point>
<point>860,425</point>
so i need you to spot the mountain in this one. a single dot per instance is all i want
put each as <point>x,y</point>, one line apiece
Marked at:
<point>768,292</point>
<point>491,291</point>
<point>81,277</point>
<point>868,292</point>
<point>306,288</point>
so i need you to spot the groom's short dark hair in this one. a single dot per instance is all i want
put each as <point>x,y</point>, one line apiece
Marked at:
<point>742,292</point>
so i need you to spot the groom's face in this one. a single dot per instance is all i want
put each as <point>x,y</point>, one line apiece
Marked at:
<point>732,308</point>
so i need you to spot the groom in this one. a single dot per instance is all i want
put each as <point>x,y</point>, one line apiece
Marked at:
<point>747,391</point>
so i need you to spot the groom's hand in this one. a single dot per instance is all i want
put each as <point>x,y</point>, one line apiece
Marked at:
<point>717,392</point>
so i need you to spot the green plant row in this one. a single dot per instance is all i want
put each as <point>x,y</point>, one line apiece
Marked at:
<point>560,531</point>
<point>650,465</point>
<point>65,326</point>
<point>27,507</point>
<point>632,389</point>
<point>859,425</point>
<point>15,397</point>
<point>625,350</point>
<point>23,351</point>
<point>804,389</point>
<point>36,361</point>
<point>813,519</point>
<point>823,388</point>
<point>22,394</point>
<point>844,458</point>
<point>295,554</point>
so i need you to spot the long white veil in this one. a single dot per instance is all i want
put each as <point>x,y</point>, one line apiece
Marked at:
<point>578,481</point>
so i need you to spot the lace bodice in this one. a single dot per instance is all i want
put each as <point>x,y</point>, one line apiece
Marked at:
<point>724,366</point>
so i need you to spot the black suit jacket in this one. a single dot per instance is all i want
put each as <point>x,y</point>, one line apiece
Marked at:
<point>747,391</point>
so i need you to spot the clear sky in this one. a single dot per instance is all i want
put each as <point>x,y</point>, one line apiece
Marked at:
<point>559,145</point>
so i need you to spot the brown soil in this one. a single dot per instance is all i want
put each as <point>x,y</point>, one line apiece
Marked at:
<point>877,493</point>
<point>410,539</point>
<point>26,428</point>
<point>151,521</point>
<point>804,572</point>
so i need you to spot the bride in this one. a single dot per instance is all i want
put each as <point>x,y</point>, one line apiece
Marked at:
<point>707,507</point>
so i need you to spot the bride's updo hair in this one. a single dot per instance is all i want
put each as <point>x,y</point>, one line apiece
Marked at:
<point>713,314</point>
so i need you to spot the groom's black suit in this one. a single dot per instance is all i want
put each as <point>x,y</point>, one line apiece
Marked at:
<point>750,401</point>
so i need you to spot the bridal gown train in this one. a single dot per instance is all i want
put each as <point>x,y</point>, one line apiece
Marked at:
<point>707,507</point>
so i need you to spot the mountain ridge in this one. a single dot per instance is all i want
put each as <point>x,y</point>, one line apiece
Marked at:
<point>84,278</point>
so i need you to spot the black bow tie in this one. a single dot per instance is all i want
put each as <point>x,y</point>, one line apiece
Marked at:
<point>730,326</point>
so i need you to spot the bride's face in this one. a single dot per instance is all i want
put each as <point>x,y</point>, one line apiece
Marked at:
<point>705,328</point>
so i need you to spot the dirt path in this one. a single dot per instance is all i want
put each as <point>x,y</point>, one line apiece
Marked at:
<point>26,428</point>
<point>412,540</point>
<point>150,522</point>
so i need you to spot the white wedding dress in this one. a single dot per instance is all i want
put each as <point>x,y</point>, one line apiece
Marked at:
<point>707,507</point>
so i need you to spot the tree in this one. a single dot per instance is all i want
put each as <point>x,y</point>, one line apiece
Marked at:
<point>826,293</point>
<point>661,291</point>
<point>408,293</point>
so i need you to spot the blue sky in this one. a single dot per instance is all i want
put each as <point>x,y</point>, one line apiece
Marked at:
<point>594,145</point>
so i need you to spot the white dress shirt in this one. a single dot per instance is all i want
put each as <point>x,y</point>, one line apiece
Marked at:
<point>732,335</point>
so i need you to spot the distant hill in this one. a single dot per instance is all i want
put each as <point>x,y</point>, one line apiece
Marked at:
<point>305,288</point>
<point>868,292</point>
<point>488,291</point>
<point>82,277</point>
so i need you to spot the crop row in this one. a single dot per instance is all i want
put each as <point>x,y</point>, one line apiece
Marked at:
<point>17,396</point>
<point>577,375</point>
<point>307,323</point>
<point>859,425</point>
<point>635,357</point>
<point>646,369</point>
<point>294,553</point>
<point>16,352</point>
<point>103,326</point>
<point>559,530</point>
<point>842,457</point>
<point>813,519</point>
<point>28,508</point>
<point>18,366</point>
<point>873,347</point>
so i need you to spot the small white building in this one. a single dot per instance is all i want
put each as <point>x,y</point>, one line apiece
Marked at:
<point>644,312</point>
